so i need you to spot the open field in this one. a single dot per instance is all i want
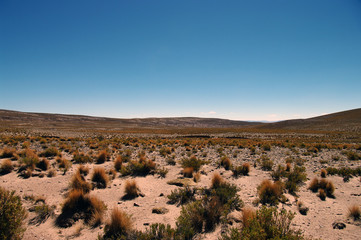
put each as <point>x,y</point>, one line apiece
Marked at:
<point>205,183</point>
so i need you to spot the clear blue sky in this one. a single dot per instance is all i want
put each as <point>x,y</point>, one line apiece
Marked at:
<point>247,60</point>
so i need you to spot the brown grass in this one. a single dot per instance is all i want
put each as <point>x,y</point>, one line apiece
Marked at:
<point>322,194</point>
<point>6,166</point>
<point>51,173</point>
<point>43,164</point>
<point>83,170</point>
<point>314,185</point>
<point>196,177</point>
<point>226,163</point>
<point>216,180</point>
<point>8,153</point>
<point>247,215</point>
<point>78,183</point>
<point>323,173</point>
<point>102,157</point>
<point>100,178</point>
<point>118,163</point>
<point>270,192</point>
<point>131,189</point>
<point>119,225</point>
<point>330,189</point>
<point>188,172</point>
<point>354,211</point>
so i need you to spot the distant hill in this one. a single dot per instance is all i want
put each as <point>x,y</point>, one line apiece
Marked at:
<point>46,121</point>
<point>341,121</point>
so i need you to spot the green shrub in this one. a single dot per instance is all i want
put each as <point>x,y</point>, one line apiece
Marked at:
<point>43,212</point>
<point>294,178</point>
<point>12,215</point>
<point>182,195</point>
<point>80,157</point>
<point>50,152</point>
<point>269,223</point>
<point>266,163</point>
<point>192,162</point>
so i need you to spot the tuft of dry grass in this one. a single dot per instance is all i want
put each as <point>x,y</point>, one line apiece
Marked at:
<point>8,153</point>
<point>102,157</point>
<point>355,212</point>
<point>323,173</point>
<point>226,162</point>
<point>270,192</point>
<point>131,189</point>
<point>100,178</point>
<point>83,170</point>
<point>330,189</point>
<point>248,214</point>
<point>118,163</point>
<point>51,173</point>
<point>188,172</point>
<point>322,194</point>
<point>288,167</point>
<point>217,180</point>
<point>196,177</point>
<point>120,224</point>
<point>78,183</point>
<point>6,167</point>
<point>43,164</point>
<point>314,185</point>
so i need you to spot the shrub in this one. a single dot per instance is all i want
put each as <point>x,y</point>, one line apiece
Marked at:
<point>102,157</point>
<point>241,170</point>
<point>188,172</point>
<point>247,215</point>
<point>353,155</point>
<point>139,168</point>
<point>314,185</point>
<point>79,206</point>
<point>278,173</point>
<point>100,178</point>
<point>216,180</point>
<point>269,192</point>
<point>118,163</point>
<point>65,164</point>
<point>226,162</point>
<point>158,231</point>
<point>162,172</point>
<point>192,162</point>
<point>323,173</point>
<point>119,226</point>
<point>83,170</point>
<point>266,163</point>
<point>12,215</point>
<point>330,189</point>
<point>50,152</point>
<point>43,164</point>
<point>131,189</point>
<point>294,178</point>
<point>6,167</point>
<point>8,153</point>
<point>43,212</point>
<point>182,195</point>
<point>80,157</point>
<point>79,183</point>
<point>51,173</point>
<point>29,159</point>
<point>354,212</point>
<point>268,223</point>
<point>301,208</point>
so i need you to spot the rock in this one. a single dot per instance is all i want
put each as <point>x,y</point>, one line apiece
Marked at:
<point>146,224</point>
<point>303,210</point>
<point>136,205</point>
<point>161,195</point>
<point>338,225</point>
<point>160,210</point>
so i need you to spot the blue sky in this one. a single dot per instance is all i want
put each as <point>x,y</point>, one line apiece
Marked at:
<point>246,60</point>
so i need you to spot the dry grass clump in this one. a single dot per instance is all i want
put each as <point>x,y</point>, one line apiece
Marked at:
<point>64,164</point>
<point>78,182</point>
<point>6,167</point>
<point>8,153</point>
<point>29,159</point>
<point>80,157</point>
<point>226,162</point>
<point>79,205</point>
<point>302,208</point>
<point>242,170</point>
<point>131,189</point>
<point>100,178</point>
<point>50,152</point>
<point>51,173</point>
<point>247,215</point>
<point>43,164</point>
<point>325,185</point>
<point>102,157</point>
<point>270,192</point>
<point>118,163</point>
<point>217,180</point>
<point>119,226</point>
<point>188,172</point>
<point>322,194</point>
<point>83,170</point>
<point>355,212</point>
<point>323,173</point>
<point>196,177</point>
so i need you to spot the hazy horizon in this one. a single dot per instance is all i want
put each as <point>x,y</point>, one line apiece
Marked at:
<point>238,60</point>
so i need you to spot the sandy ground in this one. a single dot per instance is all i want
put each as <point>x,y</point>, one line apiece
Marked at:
<point>316,224</point>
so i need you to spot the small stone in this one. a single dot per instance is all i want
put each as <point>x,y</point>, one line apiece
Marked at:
<point>136,205</point>
<point>338,225</point>
<point>146,224</point>
<point>161,195</point>
<point>160,210</point>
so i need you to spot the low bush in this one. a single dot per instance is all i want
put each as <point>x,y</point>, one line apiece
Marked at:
<point>323,173</point>
<point>131,189</point>
<point>12,215</point>
<point>295,178</point>
<point>43,212</point>
<point>43,164</point>
<point>266,163</point>
<point>102,157</point>
<point>78,182</point>
<point>83,170</point>
<point>188,172</point>
<point>182,195</point>
<point>139,168</point>
<point>268,223</point>
<point>50,152</point>
<point>29,159</point>
<point>8,153</point>
<point>241,170</point>
<point>193,162</point>
<point>118,163</point>
<point>225,162</point>
<point>80,157</point>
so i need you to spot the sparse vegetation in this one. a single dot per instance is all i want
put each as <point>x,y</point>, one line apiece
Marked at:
<point>131,189</point>
<point>270,192</point>
<point>99,178</point>
<point>355,212</point>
